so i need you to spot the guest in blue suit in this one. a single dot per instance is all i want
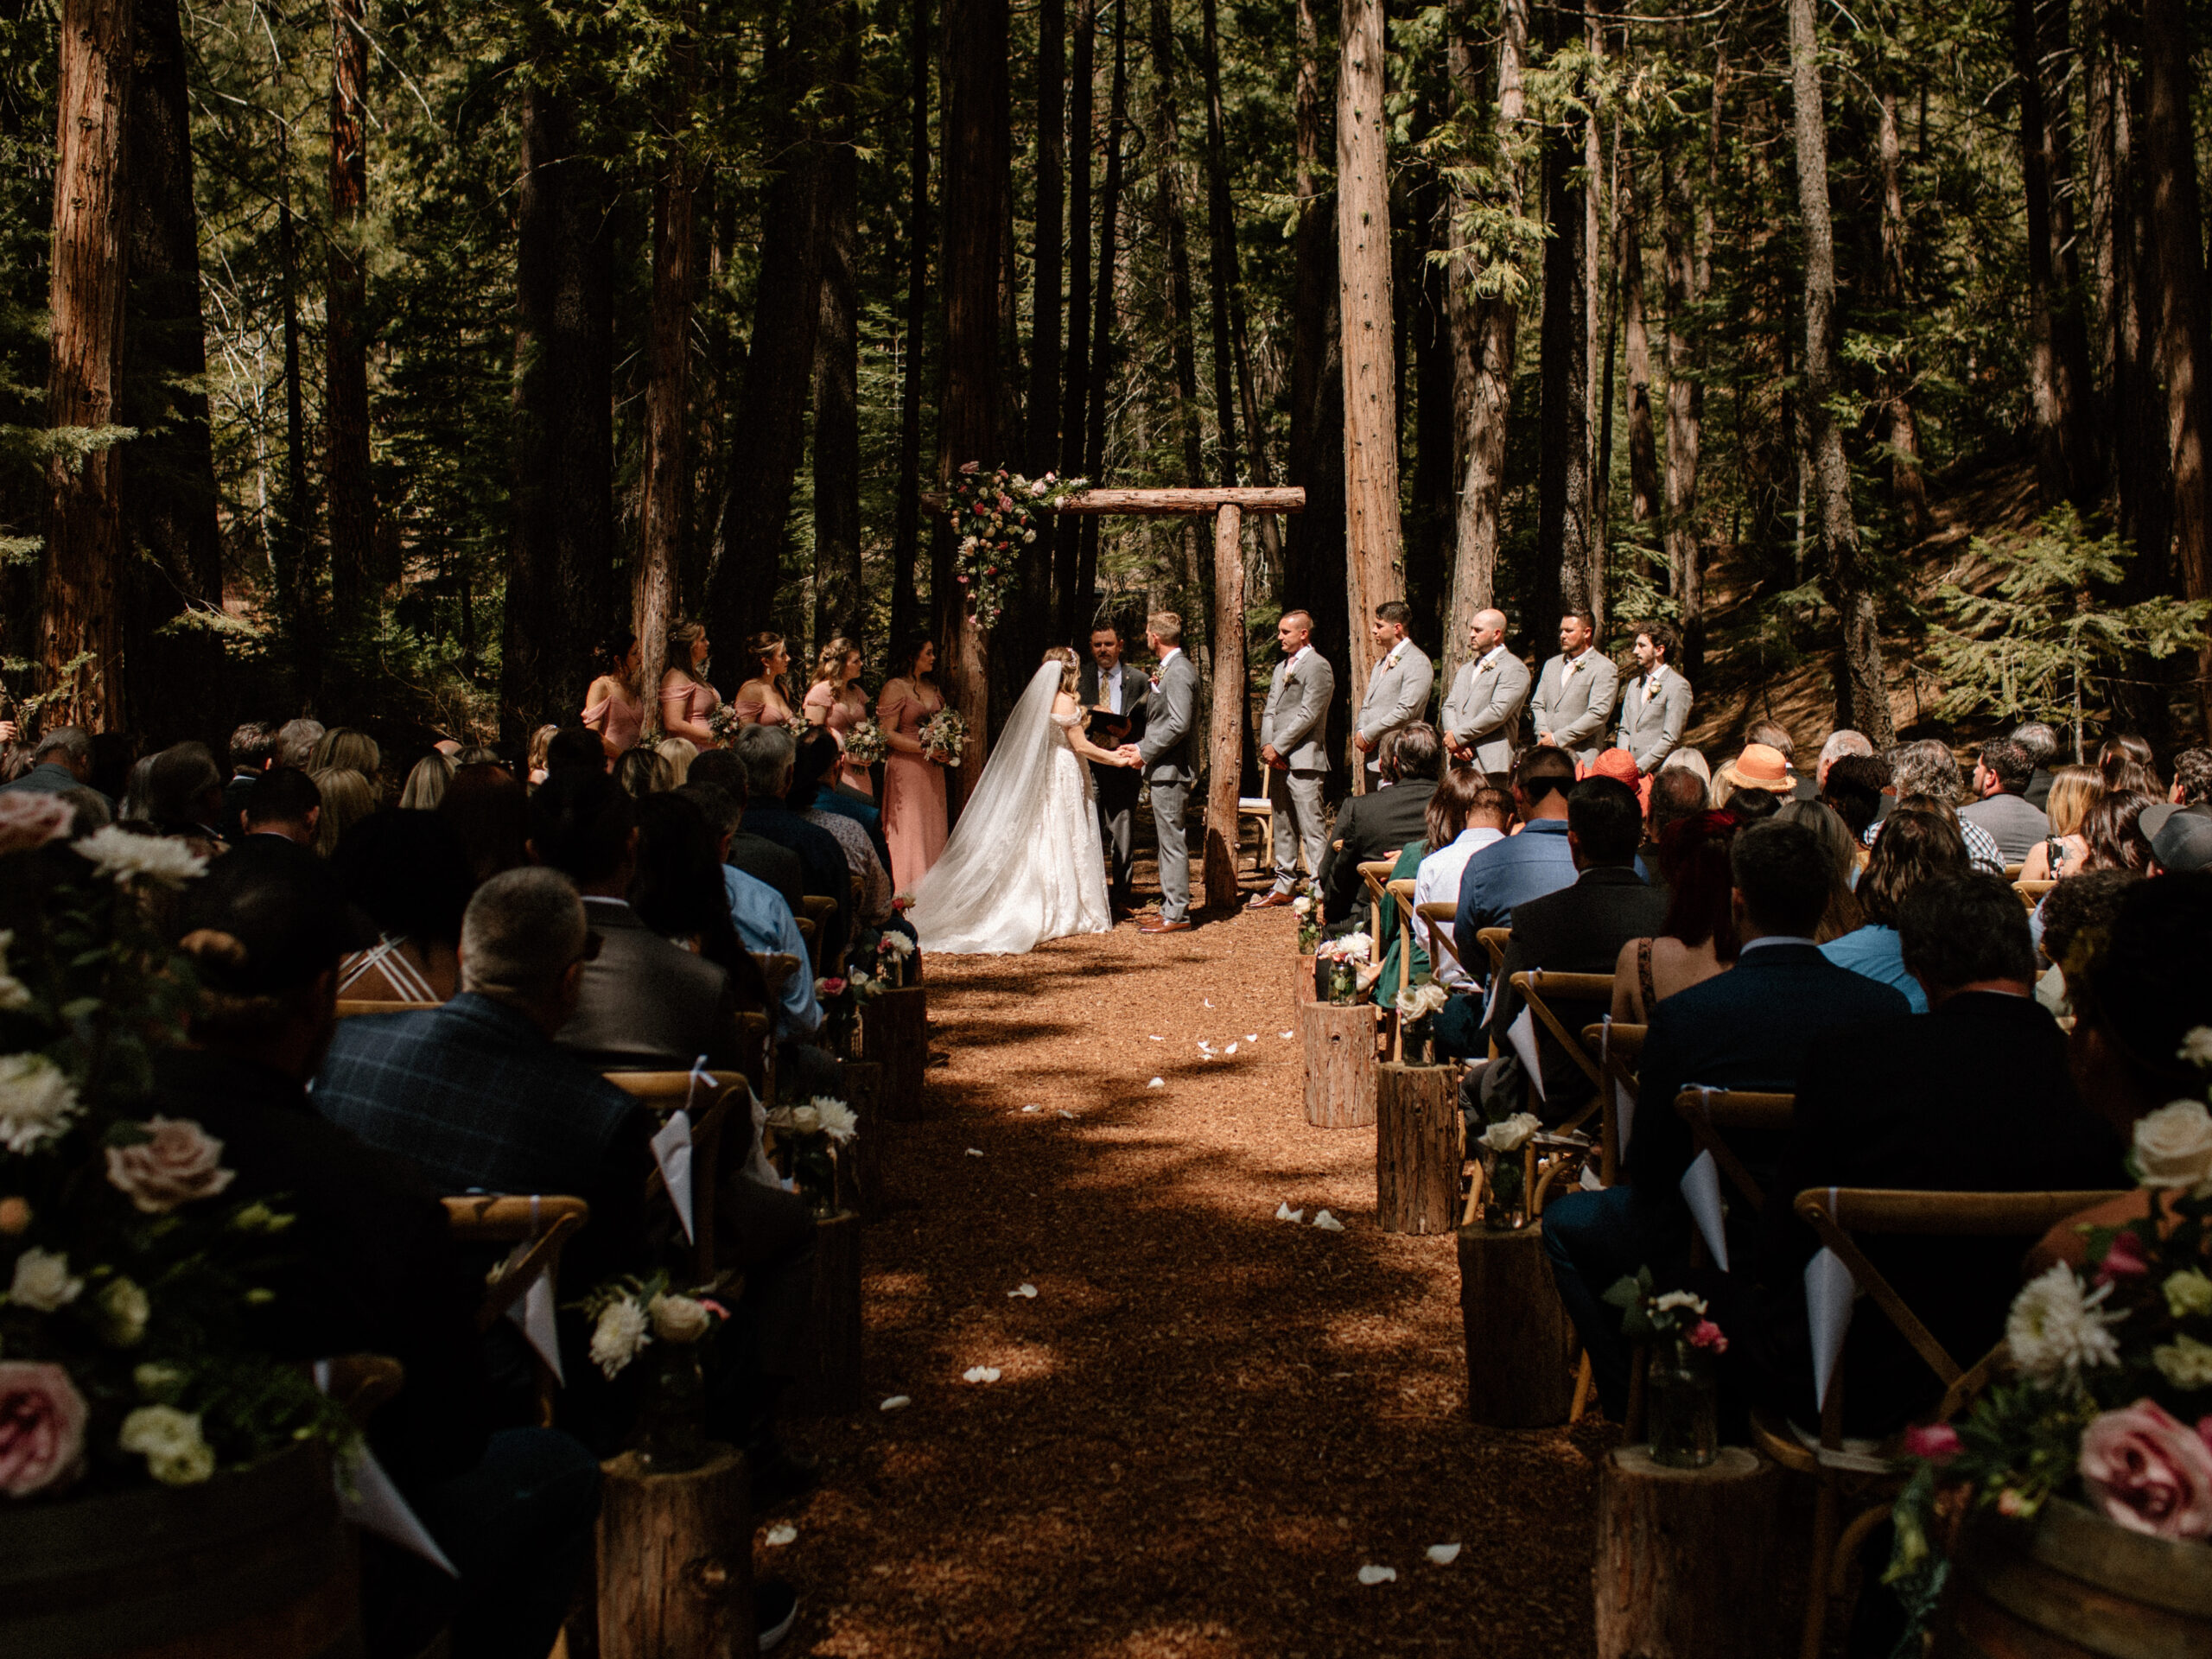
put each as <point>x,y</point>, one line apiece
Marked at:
<point>1747,1028</point>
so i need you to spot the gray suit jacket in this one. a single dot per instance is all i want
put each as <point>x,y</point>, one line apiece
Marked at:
<point>1395,694</point>
<point>1651,727</point>
<point>1573,707</point>
<point>1170,749</point>
<point>1484,707</point>
<point>1296,718</point>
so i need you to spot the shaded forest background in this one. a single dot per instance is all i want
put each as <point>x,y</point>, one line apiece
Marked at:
<point>455,338</point>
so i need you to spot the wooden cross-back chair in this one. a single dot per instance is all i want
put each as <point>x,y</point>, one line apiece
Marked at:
<point>776,966</point>
<point>716,1135</point>
<point>1837,1216</point>
<point>1493,941</point>
<point>1538,989</point>
<point>1439,915</point>
<point>1712,1112</point>
<point>1400,893</point>
<point>348,1006</point>
<point>1622,1047</point>
<point>2031,892</point>
<point>541,1225</point>
<point>1374,874</point>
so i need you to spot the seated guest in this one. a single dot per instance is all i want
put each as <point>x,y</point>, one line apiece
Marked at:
<point>836,792</point>
<point>1929,768</point>
<point>1677,794</point>
<point>1466,815</point>
<point>763,920</point>
<point>1581,929</point>
<point>426,783</point>
<point>756,855</point>
<point>1841,915</point>
<point>1843,744</point>
<point>61,759</point>
<point>1378,824</point>
<point>2183,845</point>
<point>1690,760</point>
<point>372,1269</point>
<point>1973,1097</point>
<point>1761,767</point>
<point>576,745</point>
<point>184,794</point>
<point>2000,785</point>
<point>295,742</point>
<point>1748,1028</point>
<point>1776,737</point>
<point>348,798</point>
<point>406,872</point>
<point>679,893</point>
<point>769,756</point>
<point>2124,763</point>
<point>489,811</point>
<point>2042,746</point>
<point>1851,787</point>
<point>350,750</point>
<point>2187,845</point>
<point>2112,830</point>
<point>679,752</point>
<point>1916,845</point>
<point>817,759</point>
<point>253,751</point>
<point>282,801</point>
<point>1527,865</point>
<point>2077,914</point>
<point>1749,805</point>
<point>1697,938</point>
<point>641,772</point>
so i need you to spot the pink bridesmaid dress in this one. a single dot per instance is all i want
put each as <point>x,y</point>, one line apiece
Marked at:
<point>913,788</point>
<point>840,714</point>
<point>753,707</point>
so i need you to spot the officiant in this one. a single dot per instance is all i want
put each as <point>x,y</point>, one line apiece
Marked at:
<point>1116,695</point>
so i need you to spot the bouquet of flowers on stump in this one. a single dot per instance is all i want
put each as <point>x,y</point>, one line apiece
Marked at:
<point>1506,1161</point>
<point>1345,954</point>
<point>803,1142</point>
<point>994,514</point>
<point>839,1007</point>
<point>864,744</point>
<point>892,952</point>
<point>1309,925</point>
<point>630,1315</point>
<point>1418,1007</point>
<point>130,1343</point>
<point>944,737</point>
<point>1682,1389</point>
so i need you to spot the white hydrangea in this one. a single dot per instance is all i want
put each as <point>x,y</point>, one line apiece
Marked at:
<point>620,1334</point>
<point>1513,1134</point>
<point>170,1441</point>
<point>43,1280</point>
<point>37,1101</point>
<point>125,856</point>
<point>2054,1328</point>
<point>836,1119</point>
<point>14,995</point>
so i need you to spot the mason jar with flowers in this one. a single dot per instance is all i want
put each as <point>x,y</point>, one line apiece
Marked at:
<point>1505,1158</point>
<point>1342,958</point>
<point>1418,1007</point>
<point>630,1316</point>
<point>1681,1390</point>
<point>805,1143</point>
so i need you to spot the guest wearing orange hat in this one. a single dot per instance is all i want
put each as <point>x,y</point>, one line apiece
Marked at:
<point>1620,766</point>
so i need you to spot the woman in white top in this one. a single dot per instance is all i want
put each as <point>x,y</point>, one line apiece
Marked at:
<point>1466,815</point>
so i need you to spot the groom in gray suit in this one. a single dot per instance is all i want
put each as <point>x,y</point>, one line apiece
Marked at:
<point>1482,716</point>
<point>1575,691</point>
<point>1397,690</point>
<point>1168,756</point>
<point>1294,752</point>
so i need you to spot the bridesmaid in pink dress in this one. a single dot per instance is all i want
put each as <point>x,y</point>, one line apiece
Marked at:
<point>836,701</point>
<point>913,785</point>
<point>686,698</point>
<point>612,706</point>
<point>760,700</point>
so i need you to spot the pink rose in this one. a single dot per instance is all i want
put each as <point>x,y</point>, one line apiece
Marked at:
<point>1937,1443</point>
<point>2150,1473</point>
<point>177,1163</point>
<point>41,1427</point>
<point>30,819</point>
<point>1006,504</point>
<point>1707,1334</point>
<point>2123,1260</point>
<point>968,465</point>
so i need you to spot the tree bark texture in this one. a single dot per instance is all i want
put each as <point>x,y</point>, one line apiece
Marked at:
<point>1072,604</point>
<point>1416,1148</point>
<point>1431,523</point>
<point>676,1560</point>
<point>1862,700</point>
<point>1563,513</point>
<point>1225,738</point>
<point>660,519</point>
<point>1517,1334</point>
<point>346,347</point>
<point>1371,525</point>
<point>1102,332</point>
<point>906,523</point>
<point>1041,443</point>
<point>80,608</point>
<point>561,559</point>
<point>895,1035</point>
<point>1686,1558</point>
<point>298,584</point>
<point>1686,276</point>
<point>2057,349</point>
<point>1907,483</point>
<point>1642,437</point>
<point>838,604</point>
<point>1338,1040</point>
<point>830,1381</point>
<point>1166,145</point>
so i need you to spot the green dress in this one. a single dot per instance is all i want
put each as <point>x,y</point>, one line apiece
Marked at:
<point>1386,989</point>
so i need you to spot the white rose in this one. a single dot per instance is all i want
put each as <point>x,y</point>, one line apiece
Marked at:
<point>123,1312</point>
<point>2053,1328</point>
<point>2195,1048</point>
<point>30,819</point>
<point>1512,1135</point>
<point>2173,1146</point>
<point>170,1441</point>
<point>678,1319</point>
<point>838,1120</point>
<point>14,995</point>
<point>36,1102</point>
<point>1675,1299</point>
<point>618,1336</point>
<point>122,856</point>
<point>43,1281</point>
<point>1301,906</point>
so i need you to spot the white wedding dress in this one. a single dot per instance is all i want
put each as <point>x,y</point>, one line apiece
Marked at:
<point>1024,863</point>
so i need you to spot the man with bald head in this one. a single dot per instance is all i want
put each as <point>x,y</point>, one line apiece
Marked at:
<point>1294,752</point>
<point>1482,716</point>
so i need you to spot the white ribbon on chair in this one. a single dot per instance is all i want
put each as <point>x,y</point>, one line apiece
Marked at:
<point>1522,1033</point>
<point>534,1312</point>
<point>1830,1291</point>
<point>673,1151</point>
<point>1701,1191</point>
<point>368,1499</point>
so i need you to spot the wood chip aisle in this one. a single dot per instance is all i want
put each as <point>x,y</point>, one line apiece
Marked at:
<point>1206,1420</point>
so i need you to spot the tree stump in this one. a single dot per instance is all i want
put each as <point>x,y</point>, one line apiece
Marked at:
<point>676,1560</point>
<point>1518,1335</point>
<point>1339,1063</point>
<point>1686,1558</point>
<point>1301,981</point>
<point>862,1163</point>
<point>829,1371</point>
<point>1417,1149</point>
<point>895,1034</point>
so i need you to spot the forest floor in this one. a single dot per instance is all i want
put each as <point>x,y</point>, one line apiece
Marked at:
<point>1206,1420</point>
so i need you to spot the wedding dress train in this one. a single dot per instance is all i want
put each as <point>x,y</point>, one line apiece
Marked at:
<point>1025,862</point>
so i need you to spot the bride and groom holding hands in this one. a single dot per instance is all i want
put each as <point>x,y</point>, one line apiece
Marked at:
<point>1026,861</point>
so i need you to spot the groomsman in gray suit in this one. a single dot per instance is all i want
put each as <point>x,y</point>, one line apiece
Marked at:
<point>1294,752</point>
<point>1115,693</point>
<point>1397,688</point>
<point>1575,691</point>
<point>1169,758</point>
<point>1482,714</point>
<point>1655,706</point>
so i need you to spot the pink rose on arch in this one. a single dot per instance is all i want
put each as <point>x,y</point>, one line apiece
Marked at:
<point>41,1428</point>
<point>177,1163</point>
<point>2123,1260</point>
<point>2148,1473</point>
<point>969,466</point>
<point>1936,1443</point>
<point>29,819</point>
<point>1006,504</point>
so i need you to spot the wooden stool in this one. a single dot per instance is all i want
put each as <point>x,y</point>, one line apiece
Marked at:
<point>676,1560</point>
<point>1686,1558</point>
<point>895,1034</point>
<point>1519,1340</point>
<point>1339,1063</point>
<point>829,1372</point>
<point>862,1163</point>
<point>1416,1148</point>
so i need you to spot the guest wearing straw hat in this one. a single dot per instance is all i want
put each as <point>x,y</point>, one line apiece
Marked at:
<point>1759,766</point>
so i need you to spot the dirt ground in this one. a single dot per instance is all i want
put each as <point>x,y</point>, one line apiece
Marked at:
<point>1206,1420</point>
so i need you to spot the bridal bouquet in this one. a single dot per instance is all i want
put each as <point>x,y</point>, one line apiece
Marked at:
<point>994,514</point>
<point>944,737</point>
<point>864,744</point>
<point>722,720</point>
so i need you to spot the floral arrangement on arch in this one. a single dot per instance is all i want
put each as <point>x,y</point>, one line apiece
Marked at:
<point>131,1283</point>
<point>994,514</point>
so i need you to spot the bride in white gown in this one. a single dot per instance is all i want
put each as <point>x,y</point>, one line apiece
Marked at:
<point>1024,863</point>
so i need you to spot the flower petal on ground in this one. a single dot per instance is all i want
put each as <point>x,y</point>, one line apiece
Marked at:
<point>1154,1083</point>
<point>781,1534</point>
<point>897,1402</point>
<point>1028,1290</point>
<point>1033,1109</point>
<point>1284,1213</point>
<point>1328,1223</point>
<point>979,1374</point>
<point>1232,1048</point>
<point>1378,1575</point>
<point>974,1152</point>
<point>1444,1554</point>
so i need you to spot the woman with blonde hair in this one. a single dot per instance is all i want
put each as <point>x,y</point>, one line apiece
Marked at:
<point>2074,791</point>
<point>347,798</point>
<point>644,771</point>
<point>541,743</point>
<point>686,696</point>
<point>612,705</point>
<point>426,784</point>
<point>762,700</point>
<point>679,752</point>
<point>836,700</point>
<point>342,748</point>
<point>1842,916</point>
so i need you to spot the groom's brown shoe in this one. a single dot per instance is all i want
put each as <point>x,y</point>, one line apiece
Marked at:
<point>1159,926</point>
<point>1272,901</point>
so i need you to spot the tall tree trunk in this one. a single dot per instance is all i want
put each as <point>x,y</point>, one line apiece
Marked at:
<point>346,347</point>
<point>660,519</point>
<point>1597,336</point>
<point>1642,439</point>
<point>2185,352</point>
<point>81,600</point>
<point>1429,532</point>
<point>976,147</point>
<point>1685,405</point>
<point>1364,294</point>
<point>2057,354</point>
<point>906,523</point>
<point>561,559</point>
<point>838,598</point>
<point>1483,332</point>
<point>1101,334</point>
<point>1862,698</point>
<point>1072,618</point>
<point>1194,570</point>
<point>298,587</point>
<point>1563,526</point>
<point>1906,482</point>
<point>1042,447</point>
<point>2134,412</point>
